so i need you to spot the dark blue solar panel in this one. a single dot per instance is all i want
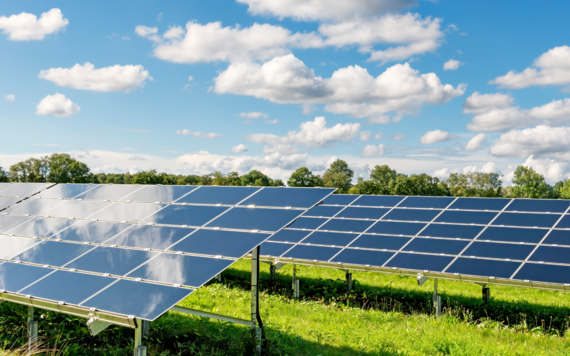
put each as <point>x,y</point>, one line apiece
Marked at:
<point>452,231</point>
<point>526,219</point>
<point>363,257</point>
<point>479,203</point>
<point>294,197</point>
<point>154,237</point>
<point>65,191</point>
<point>538,205</point>
<point>558,237</point>
<point>14,277</point>
<point>218,195</point>
<point>69,287</point>
<point>544,273</point>
<point>8,222</point>
<point>551,254</point>
<point>131,212</point>
<point>255,219</point>
<point>487,268</point>
<point>380,242</point>
<point>449,247</point>
<point>191,271</point>
<point>41,227</point>
<point>340,199</point>
<point>287,235</point>
<point>466,217</point>
<point>117,261</point>
<point>307,223</point>
<point>52,253</point>
<point>499,250</point>
<point>33,206</point>
<point>223,243</point>
<point>375,200</point>
<point>185,215</point>
<point>164,194</point>
<point>329,238</point>
<point>426,202</point>
<point>363,213</point>
<point>142,300</point>
<point>11,246</point>
<point>511,234</point>
<point>274,249</point>
<point>76,209</point>
<point>92,231</point>
<point>411,215</point>
<point>396,228</point>
<point>323,211</point>
<point>318,253</point>
<point>563,224</point>
<point>420,262</point>
<point>347,225</point>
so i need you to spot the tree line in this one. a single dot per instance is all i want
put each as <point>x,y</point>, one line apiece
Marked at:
<point>527,183</point>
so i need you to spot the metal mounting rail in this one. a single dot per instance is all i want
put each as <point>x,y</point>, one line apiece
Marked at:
<point>211,315</point>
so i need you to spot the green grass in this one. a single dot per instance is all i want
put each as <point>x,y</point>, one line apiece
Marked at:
<point>384,315</point>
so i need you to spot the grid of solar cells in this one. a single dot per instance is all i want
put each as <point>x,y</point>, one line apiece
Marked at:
<point>103,245</point>
<point>520,240</point>
<point>22,190</point>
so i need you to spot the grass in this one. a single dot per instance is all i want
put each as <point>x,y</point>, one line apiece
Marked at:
<point>384,315</point>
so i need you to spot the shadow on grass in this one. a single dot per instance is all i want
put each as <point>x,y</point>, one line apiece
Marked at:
<point>548,319</point>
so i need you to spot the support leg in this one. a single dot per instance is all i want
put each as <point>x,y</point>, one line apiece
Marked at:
<point>436,299</point>
<point>349,281</point>
<point>219,277</point>
<point>32,332</point>
<point>140,350</point>
<point>486,294</point>
<point>255,317</point>
<point>296,291</point>
<point>272,272</point>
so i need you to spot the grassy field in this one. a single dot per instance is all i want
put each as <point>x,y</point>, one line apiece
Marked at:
<point>385,315</point>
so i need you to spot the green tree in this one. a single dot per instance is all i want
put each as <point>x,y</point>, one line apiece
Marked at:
<point>303,177</point>
<point>62,168</point>
<point>475,184</point>
<point>528,183</point>
<point>255,178</point>
<point>339,175</point>
<point>382,174</point>
<point>3,175</point>
<point>231,178</point>
<point>30,170</point>
<point>565,190</point>
<point>276,183</point>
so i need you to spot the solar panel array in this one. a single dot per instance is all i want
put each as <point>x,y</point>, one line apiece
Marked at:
<point>12,193</point>
<point>525,240</point>
<point>135,250</point>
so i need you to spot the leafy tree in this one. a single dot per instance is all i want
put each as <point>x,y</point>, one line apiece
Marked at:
<point>30,170</point>
<point>528,183</point>
<point>423,184</point>
<point>64,169</point>
<point>339,175</point>
<point>276,183</point>
<point>231,178</point>
<point>255,178</point>
<point>303,177</point>
<point>475,184</point>
<point>565,190</point>
<point>3,175</point>
<point>382,174</point>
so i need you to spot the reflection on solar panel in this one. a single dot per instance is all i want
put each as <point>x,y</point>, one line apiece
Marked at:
<point>489,240</point>
<point>134,250</point>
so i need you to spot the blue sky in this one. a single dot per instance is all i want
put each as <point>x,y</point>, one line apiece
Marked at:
<point>194,87</point>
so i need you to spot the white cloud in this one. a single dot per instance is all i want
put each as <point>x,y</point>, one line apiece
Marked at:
<point>27,27</point>
<point>551,68</point>
<point>57,105</point>
<point>451,64</point>
<point>469,169</point>
<point>398,137</point>
<point>199,134</point>
<point>11,97</point>
<point>313,10</point>
<point>373,150</point>
<point>212,42</point>
<point>436,136</point>
<point>85,77</point>
<point>137,158</point>
<point>475,142</point>
<point>494,113</point>
<point>253,115</point>
<point>367,136</point>
<point>442,173</point>
<point>271,122</point>
<point>351,90</point>
<point>538,141</point>
<point>551,169</point>
<point>489,167</point>
<point>557,109</point>
<point>481,103</point>
<point>240,148</point>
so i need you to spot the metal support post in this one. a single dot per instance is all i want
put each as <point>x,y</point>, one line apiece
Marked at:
<point>257,332</point>
<point>140,350</point>
<point>486,293</point>
<point>272,272</point>
<point>296,289</point>
<point>32,332</point>
<point>349,281</point>
<point>219,277</point>
<point>436,299</point>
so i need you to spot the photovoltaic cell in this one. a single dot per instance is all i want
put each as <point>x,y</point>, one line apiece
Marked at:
<point>162,194</point>
<point>451,231</point>
<point>380,242</point>
<point>287,235</point>
<point>255,219</point>
<point>76,209</point>
<point>223,243</point>
<point>24,189</point>
<point>190,215</point>
<point>363,213</point>
<point>65,191</point>
<point>449,247</point>
<point>4,186</point>
<point>52,253</point>
<point>274,249</point>
<point>7,222</point>
<point>329,238</point>
<point>340,199</point>
<point>499,250</point>
<point>382,201</point>
<point>564,223</point>
<point>14,277</point>
<point>426,202</point>
<point>363,257</point>
<point>480,204</point>
<point>411,215</point>
<point>131,212</point>
<point>11,246</point>
<point>41,227</point>
<point>539,205</point>
<point>92,231</point>
<point>485,268</point>
<point>319,253</point>
<point>307,223</point>
<point>419,262</point>
<point>112,260</point>
<point>558,237</point>
<point>396,228</point>
<point>466,217</point>
<point>323,211</point>
<point>282,197</point>
<point>347,225</point>
<point>218,195</point>
<point>6,202</point>
<point>111,192</point>
<point>526,219</point>
<point>153,237</point>
<point>544,273</point>
<point>551,254</point>
<point>511,234</point>
<point>33,206</point>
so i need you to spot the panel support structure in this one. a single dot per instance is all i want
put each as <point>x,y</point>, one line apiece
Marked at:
<point>95,326</point>
<point>256,323</point>
<point>296,284</point>
<point>32,332</point>
<point>139,350</point>
<point>349,281</point>
<point>436,299</point>
<point>486,293</point>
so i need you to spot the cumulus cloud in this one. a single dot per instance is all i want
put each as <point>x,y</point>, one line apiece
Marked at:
<point>551,68</point>
<point>481,103</point>
<point>398,137</point>
<point>253,115</point>
<point>351,90</point>
<point>494,113</point>
<point>442,173</point>
<point>85,77</point>
<point>475,142</point>
<point>555,110</point>
<point>367,136</point>
<point>27,27</point>
<point>489,167</point>
<point>537,141</point>
<point>373,151</point>
<point>451,64</point>
<point>551,169</point>
<point>11,97</point>
<point>436,136</point>
<point>57,105</point>
<point>239,148</point>
<point>271,122</point>
<point>199,134</point>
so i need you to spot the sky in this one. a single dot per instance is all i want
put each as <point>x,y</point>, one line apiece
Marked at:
<point>193,87</point>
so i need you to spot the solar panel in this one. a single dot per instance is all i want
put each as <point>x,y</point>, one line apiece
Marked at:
<point>136,250</point>
<point>22,190</point>
<point>508,241</point>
